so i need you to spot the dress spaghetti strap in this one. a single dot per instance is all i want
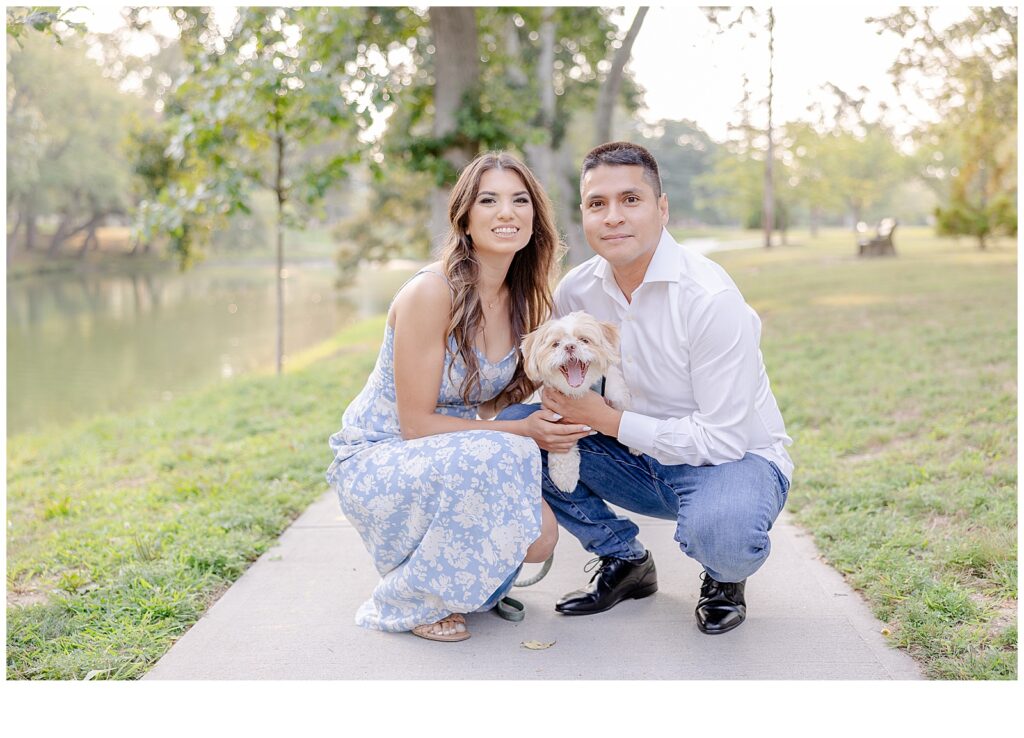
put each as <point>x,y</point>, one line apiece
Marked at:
<point>421,271</point>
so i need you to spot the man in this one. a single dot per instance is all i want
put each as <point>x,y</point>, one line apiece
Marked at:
<point>702,412</point>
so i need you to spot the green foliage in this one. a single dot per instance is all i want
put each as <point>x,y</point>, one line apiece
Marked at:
<point>67,139</point>
<point>395,225</point>
<point>732,186</point>
<point>45,19</point>
<point>477,129</point>
<point>683,152</point>
<point>249,114</point>
<point>842,164</point>
<point>970,154</point>
<point>504,108</point>
<point>962,216</point>
<point>503,111</point>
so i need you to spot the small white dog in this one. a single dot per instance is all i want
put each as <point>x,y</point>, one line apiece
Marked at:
<point>570,354</point>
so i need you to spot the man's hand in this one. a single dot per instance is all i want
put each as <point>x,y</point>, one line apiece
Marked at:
<point>590,409</point>
<point>552,433</point>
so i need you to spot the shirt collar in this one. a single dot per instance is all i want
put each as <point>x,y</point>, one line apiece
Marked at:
<point>664,266</point>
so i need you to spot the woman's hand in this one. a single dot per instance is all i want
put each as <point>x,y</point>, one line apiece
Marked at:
<point>551,435</point>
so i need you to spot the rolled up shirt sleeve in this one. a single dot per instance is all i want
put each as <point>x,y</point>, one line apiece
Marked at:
<point>725,364</point>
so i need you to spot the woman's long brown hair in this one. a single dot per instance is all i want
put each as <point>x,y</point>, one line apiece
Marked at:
<point>528,280</point>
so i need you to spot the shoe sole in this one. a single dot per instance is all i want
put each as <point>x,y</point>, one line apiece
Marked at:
<point>637,595</point>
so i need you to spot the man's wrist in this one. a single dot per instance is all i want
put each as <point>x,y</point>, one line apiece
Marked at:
<point>609,423</point>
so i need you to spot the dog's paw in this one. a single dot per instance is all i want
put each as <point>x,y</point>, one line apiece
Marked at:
<point>565,482</point>
<point>564,470</point>
<point>636,452</point>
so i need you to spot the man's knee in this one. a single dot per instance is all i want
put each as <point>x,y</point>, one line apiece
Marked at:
<point>517,412</point>
<point>735,534</point>
<point>730,563</point>
<point>726,530</point>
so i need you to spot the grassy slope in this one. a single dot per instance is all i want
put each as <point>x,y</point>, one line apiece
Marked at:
<point>896,379</point>
<point>123,530</point>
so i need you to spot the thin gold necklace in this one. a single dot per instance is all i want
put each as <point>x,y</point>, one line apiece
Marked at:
<point>491,303</point>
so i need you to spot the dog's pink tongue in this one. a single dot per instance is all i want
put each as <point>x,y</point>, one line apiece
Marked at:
<point>574,369</point>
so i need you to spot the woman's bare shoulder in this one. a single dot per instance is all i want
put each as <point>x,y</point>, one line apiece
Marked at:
<point>426,299</point>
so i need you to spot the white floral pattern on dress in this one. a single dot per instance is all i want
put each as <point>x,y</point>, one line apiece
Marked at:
<point>446,518</point>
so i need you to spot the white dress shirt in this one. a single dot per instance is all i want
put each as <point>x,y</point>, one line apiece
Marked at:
<point>691,358</point>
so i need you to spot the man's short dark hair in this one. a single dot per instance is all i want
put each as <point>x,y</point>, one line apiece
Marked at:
<point>620,154</point>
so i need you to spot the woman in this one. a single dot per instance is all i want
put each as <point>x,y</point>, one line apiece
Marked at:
<point>449,505</point>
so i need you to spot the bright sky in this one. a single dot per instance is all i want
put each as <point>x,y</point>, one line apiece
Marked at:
<point>690,71</point>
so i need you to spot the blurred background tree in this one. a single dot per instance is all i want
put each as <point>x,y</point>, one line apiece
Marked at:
<point>684,152</point>
<point>274,86</point>
<point>969,154</point>
<point>21,21</point>
<point>380,107</point>
<point>67,156</point>
<point>535,92</point>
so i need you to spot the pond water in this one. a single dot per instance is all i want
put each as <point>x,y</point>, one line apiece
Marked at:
<point>78,345</point>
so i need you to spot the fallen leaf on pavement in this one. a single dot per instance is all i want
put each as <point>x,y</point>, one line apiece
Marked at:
<point>537,645</point>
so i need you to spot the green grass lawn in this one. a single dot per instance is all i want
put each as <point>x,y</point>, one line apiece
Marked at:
<point>897,380</point>
<point>121,531</point>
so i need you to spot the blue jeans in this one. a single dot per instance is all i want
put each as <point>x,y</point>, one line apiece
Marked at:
<point>723,513</point>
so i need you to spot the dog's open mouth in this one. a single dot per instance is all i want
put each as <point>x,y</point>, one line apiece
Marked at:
<point>574,371</point>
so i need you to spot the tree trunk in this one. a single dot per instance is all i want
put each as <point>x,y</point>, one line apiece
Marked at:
<point>12,237</point>
<point>84,247</point>
<point>279,190</point>
<point>566,213</point>
<point>457,70</point>
<point>30,229</point>
<point>609,92</point>
<point>90,236</point>
<point>768,206</point>
<point>58,236</point>
<point>541,155</point>
<point>513,50</point>
<point>551,160</point>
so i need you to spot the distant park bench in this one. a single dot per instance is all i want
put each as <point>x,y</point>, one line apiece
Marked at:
<point>881,243</point>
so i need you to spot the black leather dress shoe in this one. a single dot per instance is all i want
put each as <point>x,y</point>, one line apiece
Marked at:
<point>721,606</point>
<point>614,581</point>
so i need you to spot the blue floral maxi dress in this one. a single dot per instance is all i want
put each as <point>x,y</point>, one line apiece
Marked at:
<point>447,518</point>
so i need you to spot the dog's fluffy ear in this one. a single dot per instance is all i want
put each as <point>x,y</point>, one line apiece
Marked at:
<point>529,348</point>
<point>611,336</point>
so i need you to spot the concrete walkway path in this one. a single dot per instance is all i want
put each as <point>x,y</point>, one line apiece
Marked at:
<point>290,616</point>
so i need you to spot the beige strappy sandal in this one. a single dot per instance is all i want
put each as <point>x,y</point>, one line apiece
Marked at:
<point>458,627</point>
